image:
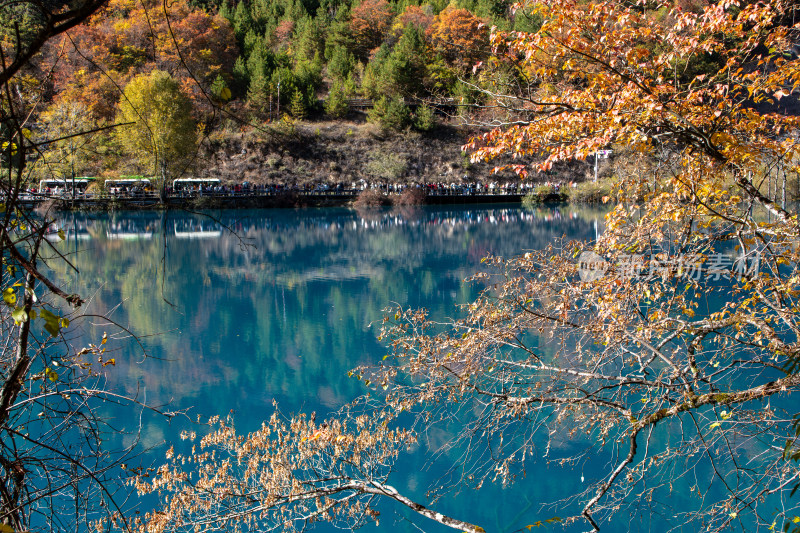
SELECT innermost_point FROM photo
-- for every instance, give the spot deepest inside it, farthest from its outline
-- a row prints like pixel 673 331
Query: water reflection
pixel 240 308
pixel 145 223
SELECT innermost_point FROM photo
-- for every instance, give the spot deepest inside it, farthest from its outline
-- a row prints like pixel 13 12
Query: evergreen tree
pixel 242 23
pixel 241 77
pixel 308 78
pixel 340 63
pixel 225 11
pixel 338 34
pixel 350 86
pixel 263 11
pixel 297 107
pixel 258 93
pixel 252 41
pixel 282 88
pixel 405 67
pixel 220 89
pixel 336 103
pixel 390 113
pixel 424 118
pixel 376 82
pixel 309 40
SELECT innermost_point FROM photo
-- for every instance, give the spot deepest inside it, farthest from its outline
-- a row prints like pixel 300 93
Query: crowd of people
pixel 245 189
pixel 354 188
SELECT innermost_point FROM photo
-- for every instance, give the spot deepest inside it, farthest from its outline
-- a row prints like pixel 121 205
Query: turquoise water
pixel 237 309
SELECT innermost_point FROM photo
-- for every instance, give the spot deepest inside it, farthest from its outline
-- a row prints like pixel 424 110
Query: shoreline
pixel 287 201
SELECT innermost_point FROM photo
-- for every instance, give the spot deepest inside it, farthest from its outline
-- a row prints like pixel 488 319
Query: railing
pixel 273 192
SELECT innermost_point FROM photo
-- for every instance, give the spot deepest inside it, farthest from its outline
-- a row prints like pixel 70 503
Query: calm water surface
pixel 277 305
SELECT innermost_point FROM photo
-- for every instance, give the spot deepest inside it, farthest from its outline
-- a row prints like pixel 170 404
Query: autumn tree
pixel 126 39
pixel 55 473
pixel 339 467
pixel 68 130
pixel 412 16
pixel 163 136
pixel 669 344
pixel 461 37
pixel 369 22
pixel 284 31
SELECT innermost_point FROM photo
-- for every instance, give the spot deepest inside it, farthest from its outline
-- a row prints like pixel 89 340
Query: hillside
pixel 349 150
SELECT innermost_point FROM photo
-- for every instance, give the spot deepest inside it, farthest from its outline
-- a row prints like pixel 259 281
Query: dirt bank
pixel 348 151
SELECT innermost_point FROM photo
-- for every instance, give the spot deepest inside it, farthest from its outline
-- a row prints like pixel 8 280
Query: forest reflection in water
pixel 237 309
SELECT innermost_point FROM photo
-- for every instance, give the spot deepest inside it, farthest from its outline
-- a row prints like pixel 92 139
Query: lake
pixel 236 309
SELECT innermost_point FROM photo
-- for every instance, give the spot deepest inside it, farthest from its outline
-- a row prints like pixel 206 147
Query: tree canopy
pixel 160 130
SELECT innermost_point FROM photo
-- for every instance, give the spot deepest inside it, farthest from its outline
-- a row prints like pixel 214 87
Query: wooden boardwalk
pixel 237 200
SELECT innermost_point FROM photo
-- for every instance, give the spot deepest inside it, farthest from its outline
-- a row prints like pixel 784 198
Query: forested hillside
pixel 253 70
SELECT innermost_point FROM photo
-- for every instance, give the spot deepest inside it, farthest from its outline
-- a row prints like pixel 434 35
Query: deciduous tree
pixel 369 22
pixel 54 471
pixel 68 130
pixel 461 37
pixel 130 38
pixel 413 16
pixel 164 136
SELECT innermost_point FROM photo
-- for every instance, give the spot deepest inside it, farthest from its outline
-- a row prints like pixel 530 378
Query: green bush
pixel 540 194
pixel 385 165
pixel 424 119
pixel 336 103
pixel 390 113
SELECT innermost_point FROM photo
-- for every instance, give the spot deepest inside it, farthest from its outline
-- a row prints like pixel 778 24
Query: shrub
pixel 542 193
pixel 591 191
pixel 388 166
pixel 371 198
pixel 411 196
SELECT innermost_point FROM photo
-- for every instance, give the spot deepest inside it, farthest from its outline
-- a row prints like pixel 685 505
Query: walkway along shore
pixel 251 199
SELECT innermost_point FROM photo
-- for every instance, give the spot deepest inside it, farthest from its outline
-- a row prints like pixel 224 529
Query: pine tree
pixel 424 118
pixel 390 113
pixel 241 77
pixel 242 22
pixel 297 107
pixel 336 103
pixel 405 67
pixel 340 63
